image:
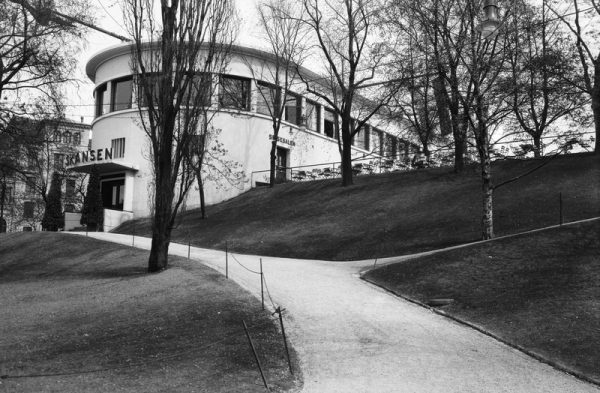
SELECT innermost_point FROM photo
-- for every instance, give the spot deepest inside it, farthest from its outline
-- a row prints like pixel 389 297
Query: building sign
pixel 89 156
pixel 283 140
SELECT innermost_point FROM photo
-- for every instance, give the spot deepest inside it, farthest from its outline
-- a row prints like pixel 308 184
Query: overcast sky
pixel 109 17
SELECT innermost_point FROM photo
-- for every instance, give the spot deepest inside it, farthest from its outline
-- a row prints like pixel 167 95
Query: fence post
pixel 262 294
pixel 560 208
pixel 255 356
pixel 189 247
pixel 287 352
pixel 226 261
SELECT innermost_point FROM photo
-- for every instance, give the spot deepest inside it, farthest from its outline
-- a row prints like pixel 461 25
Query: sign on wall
pixel 89 156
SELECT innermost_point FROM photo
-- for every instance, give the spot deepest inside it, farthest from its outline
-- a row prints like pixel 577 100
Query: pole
pixel 189 247
pixel 226 261
pixel 255 356
pixel 287 351
pixel 133 236
pixel 560 207
pixel 262 294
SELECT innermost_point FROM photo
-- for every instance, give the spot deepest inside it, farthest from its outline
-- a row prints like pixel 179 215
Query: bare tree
pixel 275 74
pixel 345 34
pixel 541 60
pixel 36 51
pixel 583 22
pixel 168 54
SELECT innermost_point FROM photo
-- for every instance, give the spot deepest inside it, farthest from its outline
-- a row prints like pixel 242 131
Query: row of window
pixel 31 187
pixel 234 93
pixel 29 209
pixel 67 137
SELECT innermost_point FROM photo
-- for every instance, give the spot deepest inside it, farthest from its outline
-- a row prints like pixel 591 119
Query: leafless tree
pixel 344 31
pixel 275 74
pixel 582 18
pixel 169 53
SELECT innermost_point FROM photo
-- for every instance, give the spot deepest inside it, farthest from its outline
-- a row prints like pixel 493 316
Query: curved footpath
pixel 355 337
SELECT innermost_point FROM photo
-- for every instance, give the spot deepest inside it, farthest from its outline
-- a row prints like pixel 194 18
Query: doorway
pixel 281 165
pixel 113 193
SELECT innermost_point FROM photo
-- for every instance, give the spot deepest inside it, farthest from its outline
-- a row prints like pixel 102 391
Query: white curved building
pixel 120 148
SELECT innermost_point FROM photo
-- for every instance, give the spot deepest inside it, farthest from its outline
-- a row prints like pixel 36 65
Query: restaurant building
pixel 306 140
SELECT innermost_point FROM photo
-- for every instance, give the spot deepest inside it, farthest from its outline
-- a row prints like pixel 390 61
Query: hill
pixel 82 315
pixel 391 214
pixel 538 291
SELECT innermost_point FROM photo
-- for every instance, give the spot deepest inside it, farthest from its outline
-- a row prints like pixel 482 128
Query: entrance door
pixel 281 165
pixel 113 193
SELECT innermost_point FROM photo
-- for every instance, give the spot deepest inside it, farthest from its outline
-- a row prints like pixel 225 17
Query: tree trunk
pixel 487 218
pixel 346 154
pixel 460 146
pixel 273 157
pixel 537 146
pixel 202 199
pixel 159 253
pixel 596 111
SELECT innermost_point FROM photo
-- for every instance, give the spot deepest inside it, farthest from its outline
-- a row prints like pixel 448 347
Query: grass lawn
pixel 72 306
pixel 390 214
pixel 540 291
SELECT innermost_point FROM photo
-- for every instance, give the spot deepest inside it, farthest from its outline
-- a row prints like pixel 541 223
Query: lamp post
pixel 491 23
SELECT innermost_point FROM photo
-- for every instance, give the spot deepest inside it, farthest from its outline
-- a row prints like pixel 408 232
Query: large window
pixel 30 183
pixel 313 117
pixel 118 147
pixel 200 89
pixel 361 139
pixel 70 188
pixel 59 161
pixel 77 138
pixel 121 94
pixel 329 123
pixel 268 98
pixel 152 83
pixel 293 108
pixel 67 137
pixel 234 93
pixel 28 208
pixel 102 106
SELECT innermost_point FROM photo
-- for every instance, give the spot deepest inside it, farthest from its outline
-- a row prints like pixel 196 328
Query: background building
pixel 32 151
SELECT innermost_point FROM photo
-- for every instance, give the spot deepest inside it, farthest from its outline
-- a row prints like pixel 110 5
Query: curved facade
pixel 306 137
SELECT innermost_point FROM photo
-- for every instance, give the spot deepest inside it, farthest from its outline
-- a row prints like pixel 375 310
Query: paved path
pixel 354 337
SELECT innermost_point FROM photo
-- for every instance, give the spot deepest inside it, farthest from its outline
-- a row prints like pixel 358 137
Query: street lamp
pixel 491 23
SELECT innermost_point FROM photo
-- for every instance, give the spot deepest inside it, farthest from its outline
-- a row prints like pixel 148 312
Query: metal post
pixel 262 294
pixel 189 247
pixel 226 261
pixel 133 236
pixel 560 204
pixel 287 352
pixel 255 356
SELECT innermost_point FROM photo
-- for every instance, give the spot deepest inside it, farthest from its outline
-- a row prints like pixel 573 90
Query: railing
pixel 360 166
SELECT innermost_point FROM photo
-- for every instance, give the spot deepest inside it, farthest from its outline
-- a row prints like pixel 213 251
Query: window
pixel 57 137
pixel 118 147
pixel 235 93
pixel 69 208
pixel 201 89
pixel 121 94
pixel 390 146
pixel 8 195
pixel 77 138
pixel 70 188
pixel 67 137
pixel 31 160
pixel 293 108
pixel 329 123
pixel 59 161
pixel 361 138
pixel 367 134
pixel 313 117
pixel 28 210
pixel 152 82
pixel 27 229
pixel 268 98
pixel 101 100
pixel 30 185
pixel 378 144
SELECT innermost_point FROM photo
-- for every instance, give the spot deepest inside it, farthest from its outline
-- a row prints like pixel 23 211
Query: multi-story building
pixel 120 149
pixel 33 151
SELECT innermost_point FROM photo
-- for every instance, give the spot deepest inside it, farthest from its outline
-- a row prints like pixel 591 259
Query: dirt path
pixel 354 337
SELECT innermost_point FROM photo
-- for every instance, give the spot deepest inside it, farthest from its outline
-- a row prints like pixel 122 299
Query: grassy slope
pixel 539 291
pixel 390 214
pixel 72 304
